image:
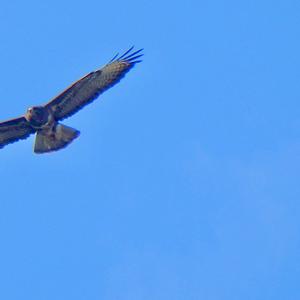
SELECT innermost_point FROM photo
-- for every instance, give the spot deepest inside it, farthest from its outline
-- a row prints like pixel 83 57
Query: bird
pixel 45 120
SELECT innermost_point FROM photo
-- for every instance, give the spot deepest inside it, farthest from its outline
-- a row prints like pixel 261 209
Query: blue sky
pixel 184 183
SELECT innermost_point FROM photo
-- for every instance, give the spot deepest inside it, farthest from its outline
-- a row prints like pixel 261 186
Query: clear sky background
pixel 184 183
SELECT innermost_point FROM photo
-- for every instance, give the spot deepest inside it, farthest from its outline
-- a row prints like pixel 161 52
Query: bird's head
pixel 34 109
pixel 37 116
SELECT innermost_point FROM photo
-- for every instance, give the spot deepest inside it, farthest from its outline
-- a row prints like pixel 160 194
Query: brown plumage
pixel 43 120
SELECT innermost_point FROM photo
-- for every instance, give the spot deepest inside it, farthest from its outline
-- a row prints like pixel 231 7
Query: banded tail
pixel 61 137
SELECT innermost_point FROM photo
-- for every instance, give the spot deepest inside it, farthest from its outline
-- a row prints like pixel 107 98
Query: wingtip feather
pixel 128 57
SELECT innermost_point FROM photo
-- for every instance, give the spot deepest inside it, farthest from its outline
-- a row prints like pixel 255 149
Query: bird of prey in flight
pixel 44 120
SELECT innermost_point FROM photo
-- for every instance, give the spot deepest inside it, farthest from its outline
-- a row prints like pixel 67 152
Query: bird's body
pixel 39 117
pixel 44 120
pixel 50 135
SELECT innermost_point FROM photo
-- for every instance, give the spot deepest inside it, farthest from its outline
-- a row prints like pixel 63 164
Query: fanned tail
pixel 61 137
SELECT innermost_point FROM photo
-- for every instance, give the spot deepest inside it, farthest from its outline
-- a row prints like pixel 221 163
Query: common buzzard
pixel 44 120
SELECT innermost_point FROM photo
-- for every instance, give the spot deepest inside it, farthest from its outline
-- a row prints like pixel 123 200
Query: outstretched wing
pixel 89 87
pixel 14 130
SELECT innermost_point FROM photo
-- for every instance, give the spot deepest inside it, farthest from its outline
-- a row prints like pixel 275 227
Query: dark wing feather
pixel 14 130
pixel 89 87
